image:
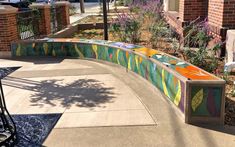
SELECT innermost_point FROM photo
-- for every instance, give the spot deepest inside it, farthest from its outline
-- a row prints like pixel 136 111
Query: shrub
pixel 124 2
pixel 126 27
pixel 201 56
pixel 159 32
pixel 148 8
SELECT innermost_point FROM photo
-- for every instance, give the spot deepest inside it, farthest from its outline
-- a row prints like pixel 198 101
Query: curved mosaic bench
pixel 196 93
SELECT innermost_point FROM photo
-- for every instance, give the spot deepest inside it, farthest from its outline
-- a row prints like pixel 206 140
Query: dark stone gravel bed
pixel 229 112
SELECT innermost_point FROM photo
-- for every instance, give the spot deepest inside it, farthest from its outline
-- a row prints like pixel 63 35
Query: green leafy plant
pixel 196 42
pixel 158 31
pixel 152 9
pixel 124 2
pixel 127 2
pixel 233 90
pixel 175 45
pixel 225 77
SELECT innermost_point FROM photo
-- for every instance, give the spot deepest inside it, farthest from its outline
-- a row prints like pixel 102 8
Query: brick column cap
pixel 7 9
pixel 62 3
pixel 40 6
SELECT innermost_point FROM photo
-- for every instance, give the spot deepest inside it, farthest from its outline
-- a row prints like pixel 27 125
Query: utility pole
pixel 82 8
pixel 105 20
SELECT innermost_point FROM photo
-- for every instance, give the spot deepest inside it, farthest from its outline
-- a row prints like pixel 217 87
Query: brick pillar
pixel 45 18
pixel 192 9
pixel 221 16
pixel 62 9
pixel 8 29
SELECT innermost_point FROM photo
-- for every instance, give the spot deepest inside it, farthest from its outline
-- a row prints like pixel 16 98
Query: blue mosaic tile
pixel 125 45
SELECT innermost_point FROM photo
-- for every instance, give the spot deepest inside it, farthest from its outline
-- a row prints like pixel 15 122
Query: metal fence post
pixel 105 20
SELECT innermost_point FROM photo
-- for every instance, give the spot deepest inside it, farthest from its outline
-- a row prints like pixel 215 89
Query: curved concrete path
pixel 102 105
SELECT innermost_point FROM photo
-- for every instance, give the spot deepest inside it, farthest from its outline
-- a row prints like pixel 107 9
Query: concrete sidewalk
pixel 102 105
pixel 90 9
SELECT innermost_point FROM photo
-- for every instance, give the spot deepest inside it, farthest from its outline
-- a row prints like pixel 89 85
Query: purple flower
pixel 147 6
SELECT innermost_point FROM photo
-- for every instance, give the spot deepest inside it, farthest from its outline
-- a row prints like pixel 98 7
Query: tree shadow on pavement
pixel 82 92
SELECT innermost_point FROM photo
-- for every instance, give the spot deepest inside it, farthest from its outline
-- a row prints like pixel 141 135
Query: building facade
pixel 220 14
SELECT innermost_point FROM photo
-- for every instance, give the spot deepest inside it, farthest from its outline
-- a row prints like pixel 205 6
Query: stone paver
pixel 105 118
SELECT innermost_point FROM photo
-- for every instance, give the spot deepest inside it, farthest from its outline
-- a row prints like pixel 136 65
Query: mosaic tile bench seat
pixel 196 94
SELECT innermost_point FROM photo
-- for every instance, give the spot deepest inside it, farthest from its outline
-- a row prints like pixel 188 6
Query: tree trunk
pixel 82 8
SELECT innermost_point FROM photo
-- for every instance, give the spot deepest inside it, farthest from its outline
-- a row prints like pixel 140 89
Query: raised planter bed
pixel 87 23
pixel 89 26
pixel 197 94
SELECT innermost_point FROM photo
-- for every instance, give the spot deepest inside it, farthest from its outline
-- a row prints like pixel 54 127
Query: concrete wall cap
pixel 39 5
pixel 231 31
pixel 7 9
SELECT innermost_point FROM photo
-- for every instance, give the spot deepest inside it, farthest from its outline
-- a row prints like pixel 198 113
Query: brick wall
pixel 175 23
pixel 221 16
pixel 8 24
pixel 188 10
pixel 45 23
pixel 181 10
pixel 191 9
pixel 8 29
pixel 62 9
pixel 229 14
pixel 65 15
pixel 45 18
pixel 222 13
pixel 215 12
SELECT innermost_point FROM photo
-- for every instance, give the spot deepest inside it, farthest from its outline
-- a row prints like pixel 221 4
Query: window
pixel 171 5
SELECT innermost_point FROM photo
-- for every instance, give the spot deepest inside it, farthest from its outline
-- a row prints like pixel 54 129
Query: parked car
pixel 45 1
pixel 22 5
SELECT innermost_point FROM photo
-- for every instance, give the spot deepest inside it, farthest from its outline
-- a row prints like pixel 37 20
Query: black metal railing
pixel 28 24
pixel 7 125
